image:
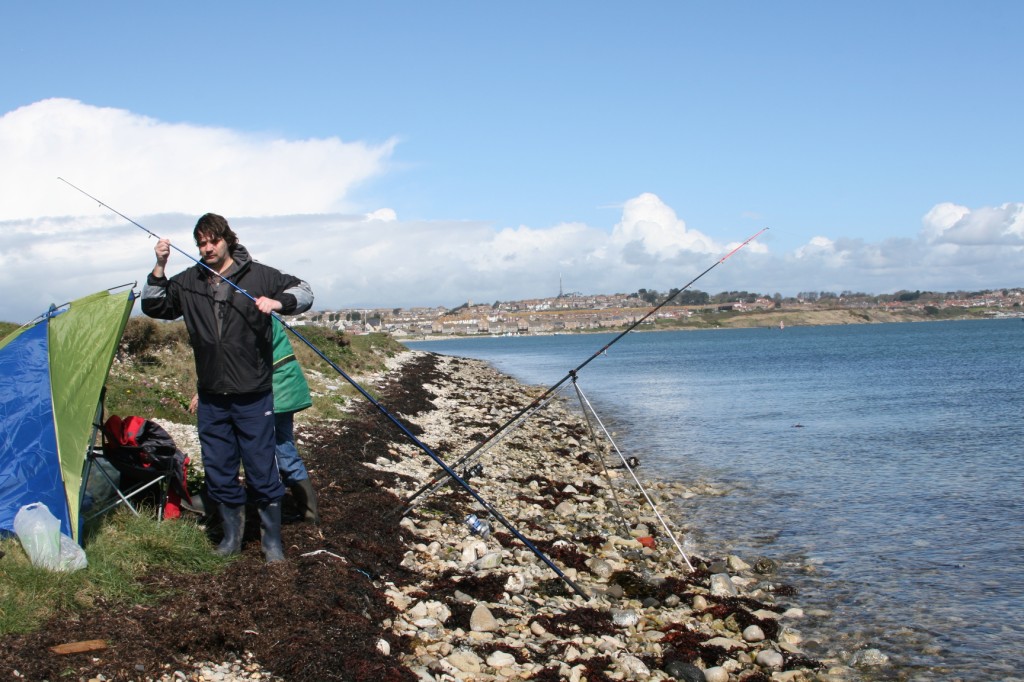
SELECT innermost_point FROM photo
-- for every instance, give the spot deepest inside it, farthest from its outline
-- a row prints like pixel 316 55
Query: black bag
pixel 138 448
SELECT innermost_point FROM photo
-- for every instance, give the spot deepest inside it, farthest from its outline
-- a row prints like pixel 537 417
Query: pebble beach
pixel 487 607
pixel 652 612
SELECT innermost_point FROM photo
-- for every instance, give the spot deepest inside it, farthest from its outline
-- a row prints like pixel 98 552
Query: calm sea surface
pixel 881 464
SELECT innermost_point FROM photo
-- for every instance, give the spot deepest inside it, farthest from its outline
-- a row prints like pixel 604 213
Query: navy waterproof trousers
pixel 239 429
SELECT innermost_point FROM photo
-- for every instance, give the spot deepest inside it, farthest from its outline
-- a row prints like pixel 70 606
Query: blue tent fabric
pixel 27 418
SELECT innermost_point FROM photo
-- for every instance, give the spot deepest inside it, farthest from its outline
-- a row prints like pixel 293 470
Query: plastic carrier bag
pixel 39 533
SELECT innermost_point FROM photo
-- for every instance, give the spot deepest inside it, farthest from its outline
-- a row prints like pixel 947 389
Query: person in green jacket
pixel 291 395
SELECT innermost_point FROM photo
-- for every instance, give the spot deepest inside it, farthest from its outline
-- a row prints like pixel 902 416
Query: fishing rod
pixel 373 401
pixel 433 483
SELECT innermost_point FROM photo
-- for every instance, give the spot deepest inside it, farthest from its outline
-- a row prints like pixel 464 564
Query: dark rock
pixel 765 566
pixel 684 672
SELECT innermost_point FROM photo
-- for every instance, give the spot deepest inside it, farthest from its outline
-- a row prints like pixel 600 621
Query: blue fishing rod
pixel 373 401
pixel 438 481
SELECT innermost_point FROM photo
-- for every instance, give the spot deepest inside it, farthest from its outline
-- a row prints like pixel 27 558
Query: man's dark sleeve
pixel 155 299
pixel 297 296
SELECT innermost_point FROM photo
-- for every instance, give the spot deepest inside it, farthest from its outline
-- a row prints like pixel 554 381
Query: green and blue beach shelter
pixel 52 373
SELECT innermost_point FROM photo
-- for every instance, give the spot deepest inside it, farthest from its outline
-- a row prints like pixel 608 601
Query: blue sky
pixel 411 153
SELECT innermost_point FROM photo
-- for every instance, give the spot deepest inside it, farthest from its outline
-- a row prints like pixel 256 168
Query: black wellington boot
pixel 270 530
pixel 305 498
pixel 232 518
pixel 202 504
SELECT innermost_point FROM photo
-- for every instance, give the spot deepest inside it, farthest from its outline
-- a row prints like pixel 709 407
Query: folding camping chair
pixel 148 464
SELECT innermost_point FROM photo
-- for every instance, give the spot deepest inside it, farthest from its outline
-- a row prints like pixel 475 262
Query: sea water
pixel 879 464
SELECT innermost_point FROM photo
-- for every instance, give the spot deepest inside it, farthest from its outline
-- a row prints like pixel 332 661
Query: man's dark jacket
pixel 232 340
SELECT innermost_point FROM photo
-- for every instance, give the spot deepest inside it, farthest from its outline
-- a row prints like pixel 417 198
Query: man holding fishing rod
pixel 227 300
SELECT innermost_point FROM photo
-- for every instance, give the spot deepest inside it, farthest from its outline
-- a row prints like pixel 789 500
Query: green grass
pixel 121 550
pixel 6 328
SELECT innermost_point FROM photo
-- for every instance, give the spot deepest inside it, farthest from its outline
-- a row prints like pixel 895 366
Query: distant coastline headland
pixel 648 311
pixel 774 320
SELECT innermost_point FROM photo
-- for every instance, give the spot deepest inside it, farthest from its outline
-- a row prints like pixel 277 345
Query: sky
pixel 401 154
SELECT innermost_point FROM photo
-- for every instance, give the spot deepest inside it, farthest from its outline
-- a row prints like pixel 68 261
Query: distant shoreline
pixel 814 318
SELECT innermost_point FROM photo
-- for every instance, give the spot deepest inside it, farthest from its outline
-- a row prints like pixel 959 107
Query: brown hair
pixel 213 225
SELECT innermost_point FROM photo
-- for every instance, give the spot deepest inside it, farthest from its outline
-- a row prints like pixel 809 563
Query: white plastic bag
pixel 39 533
pixel 72 556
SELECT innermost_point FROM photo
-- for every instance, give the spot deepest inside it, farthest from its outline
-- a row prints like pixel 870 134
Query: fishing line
pixel 600 456
pixel 664 524
pixel 430 485
pixel 394 420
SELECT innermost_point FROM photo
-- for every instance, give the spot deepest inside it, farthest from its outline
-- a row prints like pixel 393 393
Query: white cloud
pixel 942 217
pixel 651 227
pixel 827 252
pixel 958 225
pixel 150 166
pixel 386 215
pixel 290 202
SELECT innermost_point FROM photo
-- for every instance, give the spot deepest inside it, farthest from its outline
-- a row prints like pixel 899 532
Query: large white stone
pixel 438 610
pixel 400 601
pixel 716 674
pixel 599 567
pixel 726 643
pixel 487 561
pixel 481 620
pixel 465 660
pixel 419 610
pixel 500 659
pixel 566 509
pixel 722 585
pixel 765 614
pixel 770 659
pixel 633 668
pixel 515 583
pixel 753 633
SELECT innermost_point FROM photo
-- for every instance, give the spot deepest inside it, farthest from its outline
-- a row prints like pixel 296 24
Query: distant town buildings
pixel 575 312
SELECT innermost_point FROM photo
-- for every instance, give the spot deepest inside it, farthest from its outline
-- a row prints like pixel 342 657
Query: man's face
pixel 214 251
